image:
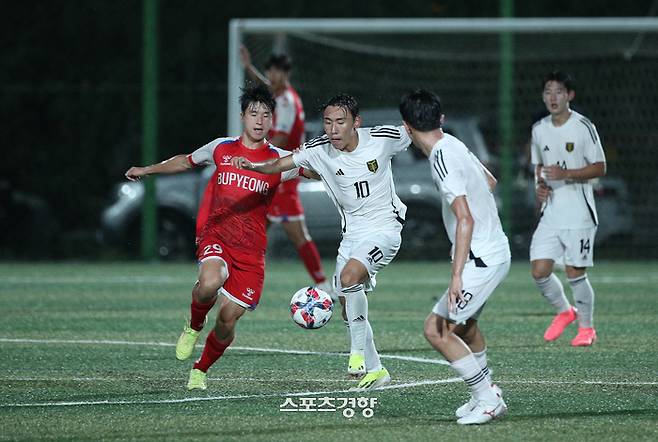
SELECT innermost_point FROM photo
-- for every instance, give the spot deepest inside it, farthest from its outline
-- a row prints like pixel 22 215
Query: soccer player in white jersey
pixel 567 153
pixel 354 164
pixel 480 253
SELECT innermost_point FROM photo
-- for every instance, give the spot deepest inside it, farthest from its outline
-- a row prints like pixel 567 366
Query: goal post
pixel 614 61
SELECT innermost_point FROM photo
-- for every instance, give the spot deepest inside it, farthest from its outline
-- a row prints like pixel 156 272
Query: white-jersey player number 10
pixel 362 189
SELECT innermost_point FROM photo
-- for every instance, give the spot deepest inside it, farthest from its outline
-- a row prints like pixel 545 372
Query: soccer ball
pixel 311 307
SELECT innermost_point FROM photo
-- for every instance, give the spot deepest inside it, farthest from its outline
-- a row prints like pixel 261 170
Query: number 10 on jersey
pixel 362 189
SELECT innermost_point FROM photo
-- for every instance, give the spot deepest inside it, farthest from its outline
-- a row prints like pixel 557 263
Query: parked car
pixel 178 197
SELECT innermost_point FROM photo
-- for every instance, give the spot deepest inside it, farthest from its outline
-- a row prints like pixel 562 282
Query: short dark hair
pixel 257 94
pixel 345 101
pixel 279 61
pixel 561 77
pixel 421 110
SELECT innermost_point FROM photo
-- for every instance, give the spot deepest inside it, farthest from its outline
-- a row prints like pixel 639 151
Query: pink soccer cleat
pixel 560 322
pixel 584 338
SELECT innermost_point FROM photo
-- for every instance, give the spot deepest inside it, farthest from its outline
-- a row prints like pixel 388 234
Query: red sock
pixel 212 351
pixel 308 252
pixel 199 312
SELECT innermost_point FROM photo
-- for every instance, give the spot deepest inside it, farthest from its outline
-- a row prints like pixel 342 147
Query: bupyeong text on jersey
pixel 244 182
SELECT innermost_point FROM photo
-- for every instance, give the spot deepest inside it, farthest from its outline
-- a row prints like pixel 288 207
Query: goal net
pixel 614 63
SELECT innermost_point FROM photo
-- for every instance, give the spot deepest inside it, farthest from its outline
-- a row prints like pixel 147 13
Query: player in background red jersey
pixel 231 234
pixel 288 133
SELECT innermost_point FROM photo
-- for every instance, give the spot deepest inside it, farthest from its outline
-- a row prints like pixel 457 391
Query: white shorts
pixel 478 284
pixel 576 246
pixel 374 252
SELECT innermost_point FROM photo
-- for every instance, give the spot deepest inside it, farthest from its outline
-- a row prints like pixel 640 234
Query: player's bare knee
pixel 348 278
pixel 574 272
pixel 208 288
pixel 433 331
pixel 541 271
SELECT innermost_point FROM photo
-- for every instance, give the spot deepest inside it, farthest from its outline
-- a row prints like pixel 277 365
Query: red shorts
pixel 246 273
pixel 286 205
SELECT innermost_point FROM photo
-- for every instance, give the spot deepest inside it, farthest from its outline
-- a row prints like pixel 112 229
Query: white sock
pixel 471 372
pixel 551 288
pixel 583 294
pixel 481 358
pixel 373 363
pixel 356 307
pixel 347 327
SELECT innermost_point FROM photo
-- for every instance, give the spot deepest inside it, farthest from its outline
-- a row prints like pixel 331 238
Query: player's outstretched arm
pixel 594 170
pixel 252 72
pixel 176 164
pixel 267 167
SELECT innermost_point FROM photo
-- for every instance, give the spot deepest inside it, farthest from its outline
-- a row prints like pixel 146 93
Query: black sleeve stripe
pixel 385 136
pixel 438 171
pixel 390 130
pixel 439 166
pixel 592 132
pixel 319 141
pixel 443 163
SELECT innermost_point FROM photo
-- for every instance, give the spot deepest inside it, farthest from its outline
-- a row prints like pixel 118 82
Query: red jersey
pixel 289 118
pixel 236 201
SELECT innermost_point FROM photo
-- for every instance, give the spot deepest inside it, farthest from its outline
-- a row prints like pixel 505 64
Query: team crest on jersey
pixel 226 159
pixel 569 147
pixel 372 165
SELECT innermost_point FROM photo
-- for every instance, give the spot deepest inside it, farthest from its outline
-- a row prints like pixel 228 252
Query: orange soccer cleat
pixel 560 322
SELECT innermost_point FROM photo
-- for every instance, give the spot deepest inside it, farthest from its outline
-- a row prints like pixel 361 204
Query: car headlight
pixel 127 191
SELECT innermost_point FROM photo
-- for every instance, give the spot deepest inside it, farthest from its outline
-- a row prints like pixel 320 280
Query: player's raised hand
pixel 245 56
pixel 135 173
pixel 242 163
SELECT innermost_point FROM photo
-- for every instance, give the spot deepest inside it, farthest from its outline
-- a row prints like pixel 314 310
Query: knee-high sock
pixel 471 372
pixel 373 363
pixel 310 256
pixel 356 307
pixel 583 294
pixel 481 358
pixel 199 312
pixel 552 289
pixel 212 351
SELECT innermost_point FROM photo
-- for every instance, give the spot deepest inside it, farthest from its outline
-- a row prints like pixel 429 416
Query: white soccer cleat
pixel 472 403
pixel 483 413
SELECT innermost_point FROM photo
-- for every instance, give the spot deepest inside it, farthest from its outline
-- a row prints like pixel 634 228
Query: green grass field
pixel 87 354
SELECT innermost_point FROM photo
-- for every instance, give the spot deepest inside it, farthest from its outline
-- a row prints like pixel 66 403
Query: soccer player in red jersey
pixel 287 132
pixel 231 228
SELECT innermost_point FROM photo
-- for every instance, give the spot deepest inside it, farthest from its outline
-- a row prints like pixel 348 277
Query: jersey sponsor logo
pixel 340 172
pixel 226 160
pixel 243 182
pixel 372 165
pixel 249 293
pixel 569 147
pixel 546 149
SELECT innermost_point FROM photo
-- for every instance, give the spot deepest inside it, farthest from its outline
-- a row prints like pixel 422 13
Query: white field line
pixel 258 396
pixel 220 398
pixel 234 348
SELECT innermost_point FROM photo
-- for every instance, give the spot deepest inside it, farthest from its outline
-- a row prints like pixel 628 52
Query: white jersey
pixel 360 182
pixel 457 172
pixel 573 145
